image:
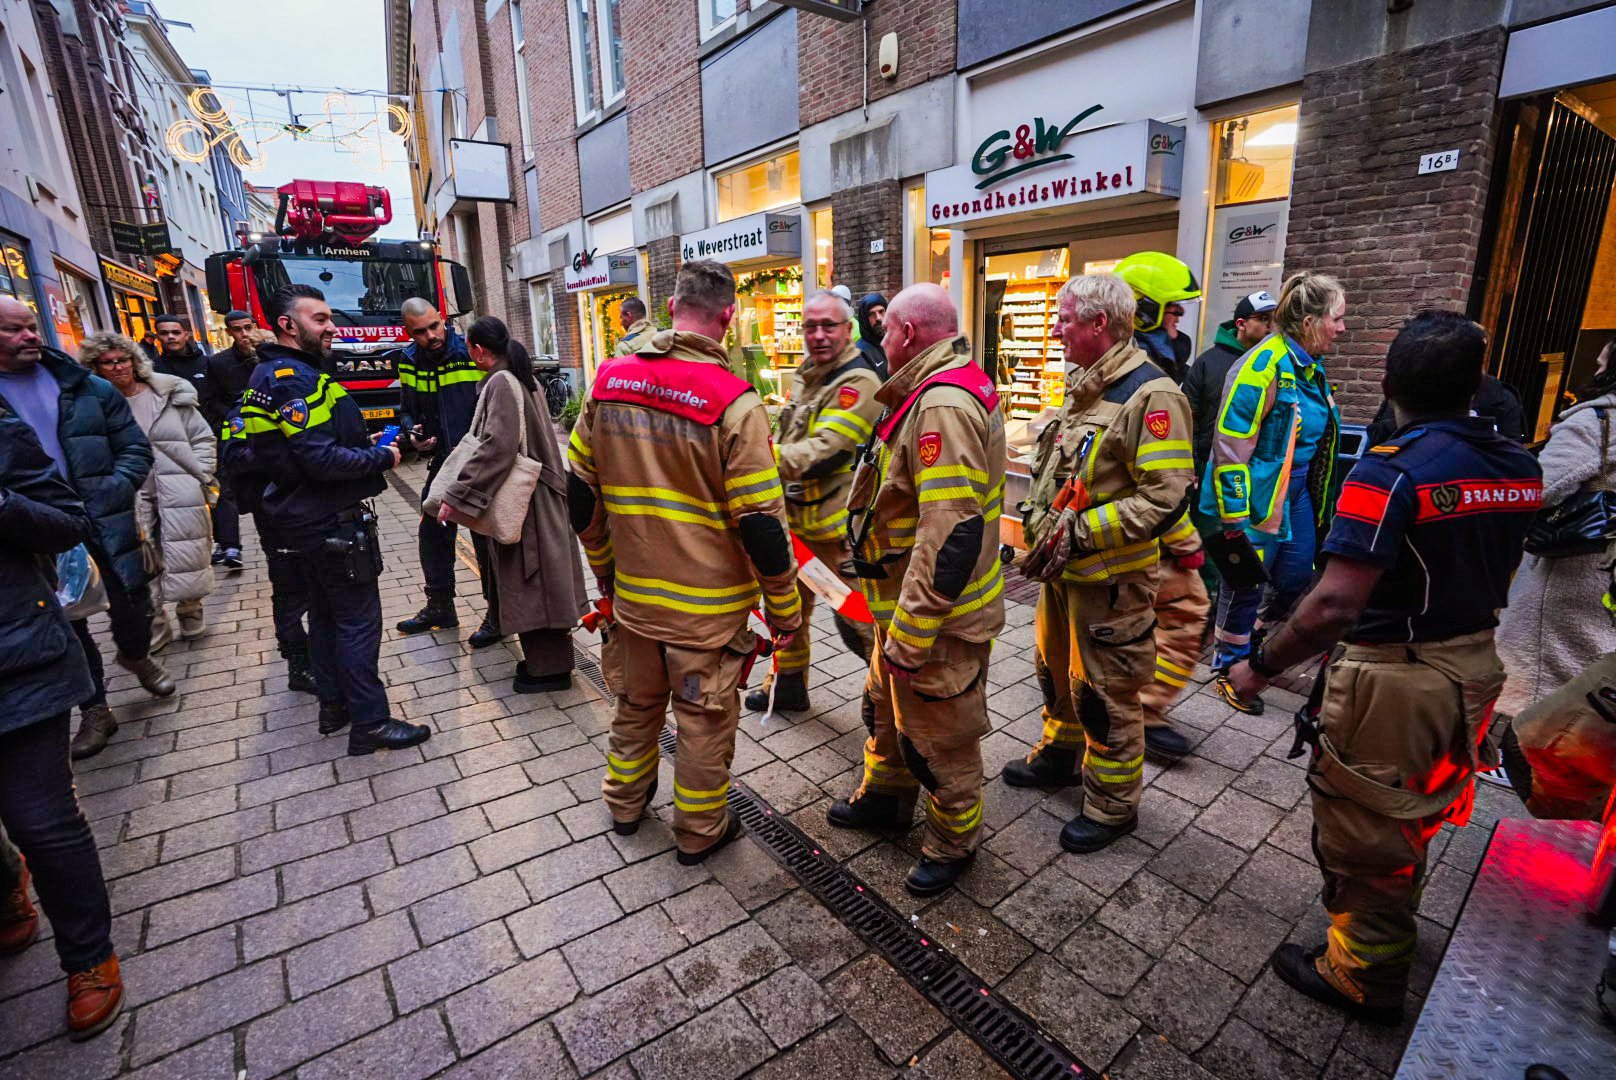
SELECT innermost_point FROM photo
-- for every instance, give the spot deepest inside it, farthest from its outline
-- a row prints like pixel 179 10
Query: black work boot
pixel 629 828
pixel 439 614
pixel 300 673
pixel 1296 968
pixel 790 694
pixel 694 858
pixel 931 876
pixel 390 734
pixel 485 635
pixel 525 683
pixel 333 718
pixel 1052 766
pixel 1164 743
pixel 873 810
pixel 1082 836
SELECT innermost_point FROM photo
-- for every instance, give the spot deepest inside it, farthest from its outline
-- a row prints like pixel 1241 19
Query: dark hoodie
pixel 869 342
pixel 1203 385
pixel 190 365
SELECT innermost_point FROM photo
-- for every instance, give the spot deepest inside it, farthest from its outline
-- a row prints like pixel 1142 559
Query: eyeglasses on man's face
pixel 825 327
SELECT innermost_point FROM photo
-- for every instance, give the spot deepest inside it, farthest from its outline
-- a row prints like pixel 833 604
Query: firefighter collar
pixel 813 373
pixel 1085 387
pixel 944 354
pixel 684 345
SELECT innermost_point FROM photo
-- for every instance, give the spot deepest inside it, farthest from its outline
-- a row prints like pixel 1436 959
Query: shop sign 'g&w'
pixel 1059 169
pixel 1035 144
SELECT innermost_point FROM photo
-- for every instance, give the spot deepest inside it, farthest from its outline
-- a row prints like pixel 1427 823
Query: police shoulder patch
pixel 285 372
pixel 237 425
pixel 296 412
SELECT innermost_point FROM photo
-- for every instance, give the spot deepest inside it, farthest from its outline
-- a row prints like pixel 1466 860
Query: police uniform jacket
pixel 308 439
pixel 934 495
pixel 831 415
pixel 676 497
pixel 1125 428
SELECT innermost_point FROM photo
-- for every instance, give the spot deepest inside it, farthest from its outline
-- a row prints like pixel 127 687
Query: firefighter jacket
pixel 439 392
pixel 1125 428
pixel 675 495
pixel 831 415
pixel 636 337
pixel 926 504
pixel 308 438
pixel 1255 439
pixel 1181 541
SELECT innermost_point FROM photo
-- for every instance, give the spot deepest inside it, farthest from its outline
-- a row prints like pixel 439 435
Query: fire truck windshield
pixel 361 292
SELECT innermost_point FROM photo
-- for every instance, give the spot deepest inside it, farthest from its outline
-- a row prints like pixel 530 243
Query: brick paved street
pixel 462 909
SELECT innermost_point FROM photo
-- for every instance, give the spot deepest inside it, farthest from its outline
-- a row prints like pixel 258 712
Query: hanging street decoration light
pixel 214 121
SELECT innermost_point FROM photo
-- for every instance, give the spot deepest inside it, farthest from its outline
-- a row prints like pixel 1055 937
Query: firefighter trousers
pixel 927 731
pixel 1401 737
pixel 1561 752
pixel 1096 655
pixel 1182 605
pixel 857 636
pixel 706 708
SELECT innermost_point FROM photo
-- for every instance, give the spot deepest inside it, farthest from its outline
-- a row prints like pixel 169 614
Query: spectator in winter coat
pixel 181 355
pixel 227 374
pixel 42 676
pixel 871 315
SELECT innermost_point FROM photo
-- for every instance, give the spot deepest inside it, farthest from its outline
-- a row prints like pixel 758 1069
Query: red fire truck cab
pixel 323 238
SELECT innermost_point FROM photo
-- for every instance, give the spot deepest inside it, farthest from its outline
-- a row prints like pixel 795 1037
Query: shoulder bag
pixel 1583 524
pixel 508 504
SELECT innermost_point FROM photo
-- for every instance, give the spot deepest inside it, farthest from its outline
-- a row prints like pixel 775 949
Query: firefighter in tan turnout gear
pixel 675 495
pixel 638 329
pixel 924 521
pixel 1111 477
pixel 1182 606
pixel 832 413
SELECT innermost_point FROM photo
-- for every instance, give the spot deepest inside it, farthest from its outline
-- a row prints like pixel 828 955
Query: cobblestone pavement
pixel 463 909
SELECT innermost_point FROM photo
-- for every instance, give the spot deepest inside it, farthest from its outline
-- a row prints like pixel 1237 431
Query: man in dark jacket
pixel 871 313
pixel 440 395
pixel 1203 384
pixel 42 676
pixel 1493 401
pixel 181 357
pixel 86 427
pixel 227 373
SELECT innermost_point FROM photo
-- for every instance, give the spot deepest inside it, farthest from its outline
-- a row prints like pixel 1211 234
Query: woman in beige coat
pixel 540 579
pixel 172 509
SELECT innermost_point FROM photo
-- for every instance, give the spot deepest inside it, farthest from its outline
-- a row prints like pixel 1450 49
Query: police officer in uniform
pixel 1112 475
pixel 833 409
pixel 675 495
pixel 307 436
pixel 924 519
pixel 1427 533
pixel 439 386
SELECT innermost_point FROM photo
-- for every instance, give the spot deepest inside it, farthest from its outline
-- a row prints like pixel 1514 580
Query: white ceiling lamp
pixel 1281 134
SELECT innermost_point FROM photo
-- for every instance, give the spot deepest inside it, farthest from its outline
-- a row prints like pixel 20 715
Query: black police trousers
pixel 288 590
pixel 436 544
pixel 345 639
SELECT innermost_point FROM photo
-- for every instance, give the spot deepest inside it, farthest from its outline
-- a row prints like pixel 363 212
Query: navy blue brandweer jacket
pixel 307 438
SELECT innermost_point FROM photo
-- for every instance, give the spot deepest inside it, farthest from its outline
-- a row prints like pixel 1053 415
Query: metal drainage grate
pixel 1004 1031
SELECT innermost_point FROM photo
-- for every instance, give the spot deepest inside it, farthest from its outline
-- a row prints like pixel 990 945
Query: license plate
pixel 378 414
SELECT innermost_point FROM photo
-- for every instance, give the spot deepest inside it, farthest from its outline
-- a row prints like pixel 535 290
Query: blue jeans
pixel 1290 572
pixel 41 816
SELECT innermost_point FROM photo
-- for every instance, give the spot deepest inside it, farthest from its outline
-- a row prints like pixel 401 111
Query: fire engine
pixel 322 238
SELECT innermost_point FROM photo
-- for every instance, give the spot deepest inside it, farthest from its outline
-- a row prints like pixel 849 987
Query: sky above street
pixel 321 44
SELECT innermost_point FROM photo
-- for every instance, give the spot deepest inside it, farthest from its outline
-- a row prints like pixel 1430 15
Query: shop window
pixel 1254 157
pixel 1020 290
pixel 930 249
pixel 519 47
pixel 763 185
pixel 611 50
pixel 583 77
pixel 767 331
pixel 824 249
pixel 15 281
pixel 543 308
pixel 715 15
pixel 615 232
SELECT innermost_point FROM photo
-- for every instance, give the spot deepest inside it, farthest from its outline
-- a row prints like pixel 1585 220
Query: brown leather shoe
pixel 96 726
pixel 19 919
pixel 94 999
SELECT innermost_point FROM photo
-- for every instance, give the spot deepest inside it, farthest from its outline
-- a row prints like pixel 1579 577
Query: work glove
pixel 1049 557
pixel 1191 562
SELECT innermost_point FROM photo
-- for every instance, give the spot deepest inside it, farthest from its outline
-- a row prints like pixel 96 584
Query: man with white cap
pixel 1203 385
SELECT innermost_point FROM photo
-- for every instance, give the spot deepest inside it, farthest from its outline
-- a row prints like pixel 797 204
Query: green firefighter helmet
pixel 1157 279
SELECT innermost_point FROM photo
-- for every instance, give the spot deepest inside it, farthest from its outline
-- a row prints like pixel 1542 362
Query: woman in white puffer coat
pixel 172 510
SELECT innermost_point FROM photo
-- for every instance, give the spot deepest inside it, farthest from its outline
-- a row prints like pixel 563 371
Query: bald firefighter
pixel 1111 477
pixel 832 413
pixel 675 495
pixel 924 518
pixel 1427 533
